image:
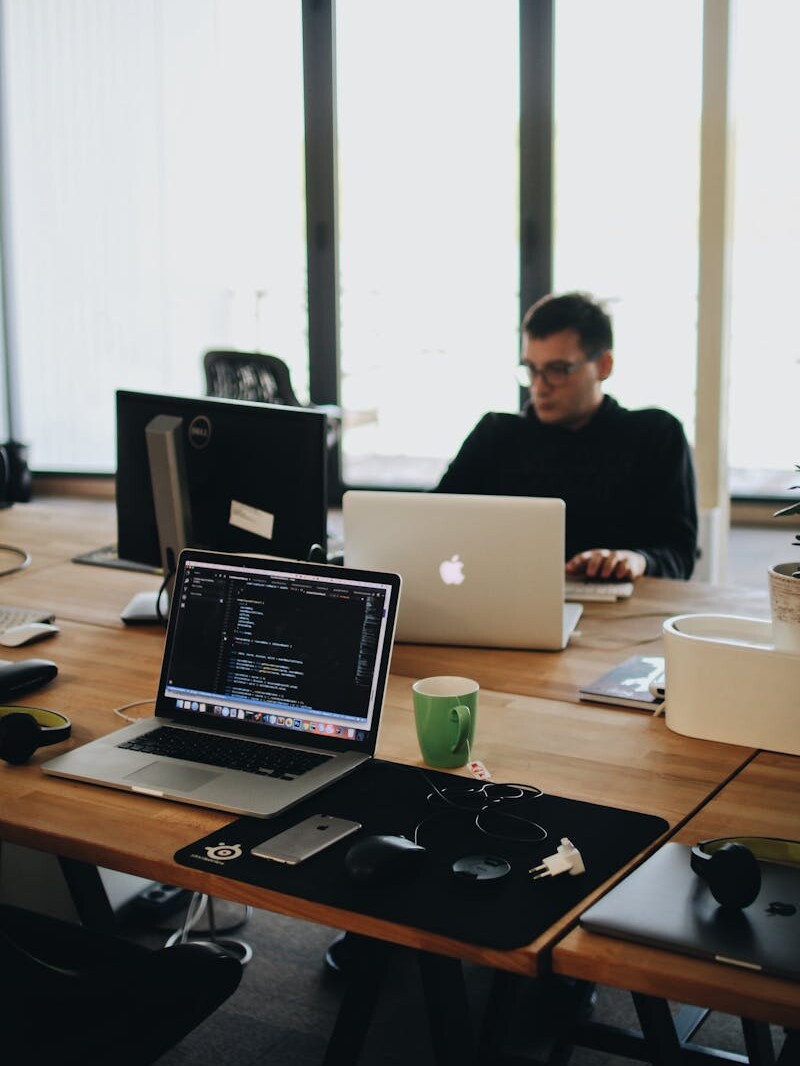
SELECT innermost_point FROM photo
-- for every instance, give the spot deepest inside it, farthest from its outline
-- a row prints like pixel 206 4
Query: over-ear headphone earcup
pixel 16 481
pixel 5 478
pixel 20 478
pixel 733 875
pixel 19 737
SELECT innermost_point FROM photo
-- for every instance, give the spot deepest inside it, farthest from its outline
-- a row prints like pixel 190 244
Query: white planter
pixel 784 595
pixel 726 681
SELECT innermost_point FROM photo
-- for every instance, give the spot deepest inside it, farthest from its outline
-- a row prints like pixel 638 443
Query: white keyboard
pixel 21 616
pixel 597 591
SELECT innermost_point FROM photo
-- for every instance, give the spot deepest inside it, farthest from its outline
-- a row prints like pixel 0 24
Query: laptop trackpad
pixel 178 778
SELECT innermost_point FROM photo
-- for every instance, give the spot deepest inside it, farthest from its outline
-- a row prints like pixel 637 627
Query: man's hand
pixel 606 564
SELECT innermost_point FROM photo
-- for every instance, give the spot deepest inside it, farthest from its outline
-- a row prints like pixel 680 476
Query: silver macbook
pixel 665 904
pixel 271 687
pixel 477 570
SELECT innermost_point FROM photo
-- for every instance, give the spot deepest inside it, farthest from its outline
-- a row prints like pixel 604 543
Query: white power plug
pixel 565 858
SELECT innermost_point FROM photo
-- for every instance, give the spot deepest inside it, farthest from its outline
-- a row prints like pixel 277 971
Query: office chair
pixel 201 904
pixel 261 378
pixel 249 376
pixel 74 996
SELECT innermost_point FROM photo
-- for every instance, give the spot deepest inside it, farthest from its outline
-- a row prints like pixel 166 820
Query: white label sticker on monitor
pixel 251 519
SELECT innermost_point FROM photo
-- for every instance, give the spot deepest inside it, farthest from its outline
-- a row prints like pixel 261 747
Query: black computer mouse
pixel 24 676
pixel 377 860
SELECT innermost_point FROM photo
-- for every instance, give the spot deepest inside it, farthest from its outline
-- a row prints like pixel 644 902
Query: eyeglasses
pixel 553 375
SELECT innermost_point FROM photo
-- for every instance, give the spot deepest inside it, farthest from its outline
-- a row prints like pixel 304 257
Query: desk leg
pixel 790 1052
pixel 758 1043
pixel 497 1014
pixel 88 894
pixel 658 1029
pixel 358 1003
pixel 449 1013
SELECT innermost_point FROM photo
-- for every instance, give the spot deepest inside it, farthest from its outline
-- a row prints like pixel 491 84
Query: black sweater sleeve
pixel 667 496
pixel 627 479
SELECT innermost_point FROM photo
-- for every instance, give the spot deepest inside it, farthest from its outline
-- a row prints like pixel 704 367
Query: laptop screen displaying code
pixel 277 647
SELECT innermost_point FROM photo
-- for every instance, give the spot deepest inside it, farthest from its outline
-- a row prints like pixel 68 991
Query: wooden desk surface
pixel 603 755
pixel 606 755
pixel 54 530
pixel 764 799
pixel 606 634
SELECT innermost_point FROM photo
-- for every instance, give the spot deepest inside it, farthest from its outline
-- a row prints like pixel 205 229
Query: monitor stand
pixel 108 556
pixel 173 517
pixel 142 609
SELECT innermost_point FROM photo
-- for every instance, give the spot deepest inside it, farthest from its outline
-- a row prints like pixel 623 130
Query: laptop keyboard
pixel 21 616
pixel 269 760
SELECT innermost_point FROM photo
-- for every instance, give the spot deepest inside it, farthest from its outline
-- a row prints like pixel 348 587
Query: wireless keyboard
pixel 597 591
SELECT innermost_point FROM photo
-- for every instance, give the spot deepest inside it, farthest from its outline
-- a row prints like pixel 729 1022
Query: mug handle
pixel 462 716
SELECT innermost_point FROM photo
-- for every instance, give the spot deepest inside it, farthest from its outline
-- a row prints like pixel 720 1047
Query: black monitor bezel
pixel 137 536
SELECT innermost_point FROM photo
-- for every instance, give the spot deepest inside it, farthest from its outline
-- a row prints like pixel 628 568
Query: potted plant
pixel 784 591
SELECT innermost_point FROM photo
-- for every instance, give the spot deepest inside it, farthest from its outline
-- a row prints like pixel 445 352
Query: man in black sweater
pixel 626 477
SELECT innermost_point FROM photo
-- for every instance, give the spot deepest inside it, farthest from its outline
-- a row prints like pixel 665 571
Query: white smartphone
pixel 305 839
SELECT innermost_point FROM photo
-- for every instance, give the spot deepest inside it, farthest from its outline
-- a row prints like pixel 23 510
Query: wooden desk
pixel 54 530
pixel 764 799
pixel 543 736
pixel 601 755
pixel 606 634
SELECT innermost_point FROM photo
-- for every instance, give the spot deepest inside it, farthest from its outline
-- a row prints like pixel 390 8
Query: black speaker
pixel 15 477
pixel 729 865
pixel 24 729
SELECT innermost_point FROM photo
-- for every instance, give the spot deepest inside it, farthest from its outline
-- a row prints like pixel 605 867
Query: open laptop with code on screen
pixel 271 687
pixel 477 570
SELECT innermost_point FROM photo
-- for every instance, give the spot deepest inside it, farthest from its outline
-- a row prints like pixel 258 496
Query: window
pixel 155 184
pixel 428 107
pixel 627 147
pixel 764 350
pixel 156 180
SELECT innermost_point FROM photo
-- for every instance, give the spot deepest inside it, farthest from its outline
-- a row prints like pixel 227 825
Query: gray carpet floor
pixel 286 1005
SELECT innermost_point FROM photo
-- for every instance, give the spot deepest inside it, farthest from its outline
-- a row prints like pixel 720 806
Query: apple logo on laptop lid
pixel 451 571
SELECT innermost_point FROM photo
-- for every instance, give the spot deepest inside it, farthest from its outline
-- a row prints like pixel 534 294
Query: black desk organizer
pixel 393 798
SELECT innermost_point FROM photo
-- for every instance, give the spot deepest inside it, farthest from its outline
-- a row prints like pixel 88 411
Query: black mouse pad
pixel 391 798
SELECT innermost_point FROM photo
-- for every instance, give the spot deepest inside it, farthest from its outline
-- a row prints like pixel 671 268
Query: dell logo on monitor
pixel 200 432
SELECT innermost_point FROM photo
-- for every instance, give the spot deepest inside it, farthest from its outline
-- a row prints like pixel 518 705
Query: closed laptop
pixel 665 904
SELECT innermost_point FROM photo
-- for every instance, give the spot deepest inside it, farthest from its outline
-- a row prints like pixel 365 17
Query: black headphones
pixel 15 477
pixel 729 865
pixel 24 729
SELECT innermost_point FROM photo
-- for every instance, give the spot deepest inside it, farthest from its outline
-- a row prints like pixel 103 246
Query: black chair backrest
pixel 64 991
pixel 249 376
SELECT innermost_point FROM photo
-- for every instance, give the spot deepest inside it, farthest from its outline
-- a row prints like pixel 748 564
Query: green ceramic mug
pixel 445 710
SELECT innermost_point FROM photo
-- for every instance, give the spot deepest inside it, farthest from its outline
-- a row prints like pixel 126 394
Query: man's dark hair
pixel 572 310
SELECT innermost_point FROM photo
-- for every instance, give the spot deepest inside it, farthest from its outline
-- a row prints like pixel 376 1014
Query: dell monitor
pixel 227 475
